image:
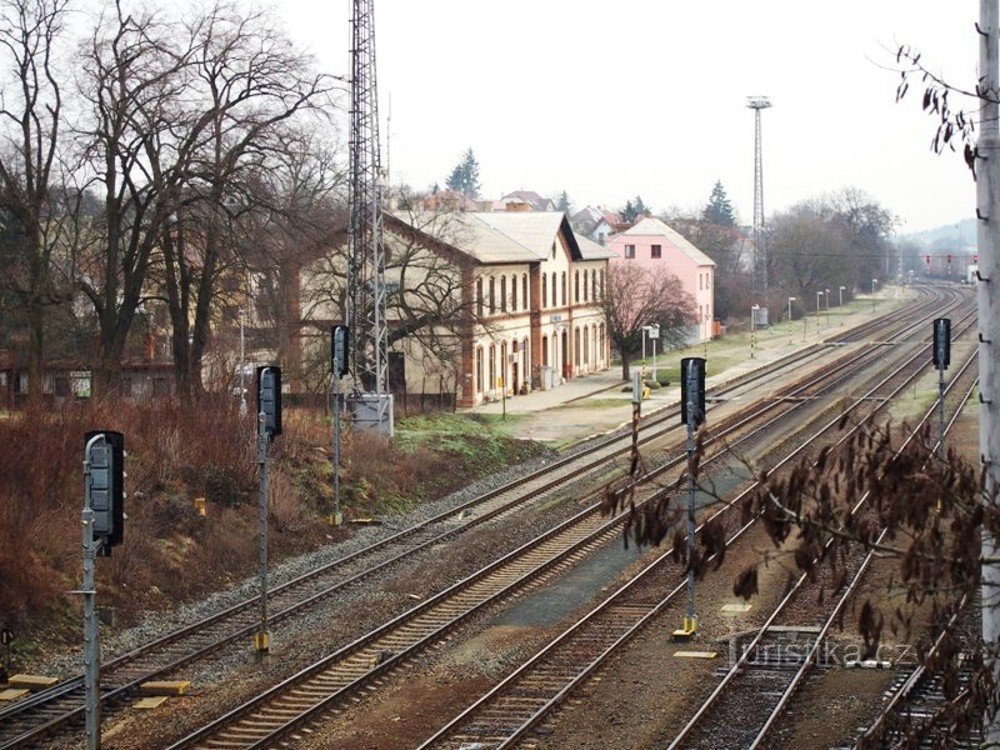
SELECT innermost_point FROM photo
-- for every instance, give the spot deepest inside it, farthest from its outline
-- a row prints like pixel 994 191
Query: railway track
pixel 771 685
pixel 264 721
pixel 507 715
pixel 917 704
pixel 44 713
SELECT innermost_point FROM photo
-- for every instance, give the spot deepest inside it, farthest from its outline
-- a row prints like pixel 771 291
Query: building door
pixel 566 369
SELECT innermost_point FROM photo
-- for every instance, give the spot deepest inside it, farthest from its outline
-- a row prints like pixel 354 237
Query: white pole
pixel 988 238
pixel 91 632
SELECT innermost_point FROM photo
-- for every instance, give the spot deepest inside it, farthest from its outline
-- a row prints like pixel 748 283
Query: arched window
pixel 555 300
pixel 576 286
pixel 513 293
pixel 593 285
pixel 586 347
pixel 576 347
pixel 479 298
pixel 503 294
pixel 524 292
pixel 545 292
pixel 493 367
pixel 479 369
pixel 493 295
pixel 564 288
pixel 585 287
pixel 545 351
pixel 602 284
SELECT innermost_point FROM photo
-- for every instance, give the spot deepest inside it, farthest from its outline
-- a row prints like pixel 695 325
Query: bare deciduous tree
pixel 638 296
pixel 31 113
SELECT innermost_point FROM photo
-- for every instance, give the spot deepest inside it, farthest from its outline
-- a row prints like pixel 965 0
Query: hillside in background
pixel 954 237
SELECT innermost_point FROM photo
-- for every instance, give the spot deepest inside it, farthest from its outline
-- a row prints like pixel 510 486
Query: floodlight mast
pixel 366 250
pixel 758 103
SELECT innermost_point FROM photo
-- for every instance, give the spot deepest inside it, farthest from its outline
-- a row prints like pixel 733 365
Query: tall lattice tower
pixel 757 104
pixel 371 403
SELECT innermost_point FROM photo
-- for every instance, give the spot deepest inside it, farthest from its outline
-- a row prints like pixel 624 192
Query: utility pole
pixel 757 104
pixel 371 403
pixel 988 239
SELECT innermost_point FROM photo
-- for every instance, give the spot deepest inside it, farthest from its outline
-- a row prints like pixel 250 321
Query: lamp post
pixel 753 328
pixel 874 284
pixel 790 301
pixel 827 298
pixel 243 388
pixel 841 305
pixel 654 332
pixel 818 295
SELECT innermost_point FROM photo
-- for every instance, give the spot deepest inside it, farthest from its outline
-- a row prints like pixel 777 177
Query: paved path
pixel 599 402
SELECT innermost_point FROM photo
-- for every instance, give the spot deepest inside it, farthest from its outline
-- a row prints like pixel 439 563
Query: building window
pixel 493 295
pixel 524 292
pixel 593 285
pixel 503 294
pixel 576 286
pixel 555 301
pixel 602 284
pixel 656 252
pixel 553 251
pixel 701 281
pixel 513 293
pixel 564 288
pixel 493 367
pixel 479 369
pixel 545 292
pixel 630 251
pixel 479 297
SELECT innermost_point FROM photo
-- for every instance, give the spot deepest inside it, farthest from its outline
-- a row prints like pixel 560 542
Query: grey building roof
pixel 497 237
pixel 590 250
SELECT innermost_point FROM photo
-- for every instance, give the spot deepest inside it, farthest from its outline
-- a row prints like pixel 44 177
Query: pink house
pixel 650 242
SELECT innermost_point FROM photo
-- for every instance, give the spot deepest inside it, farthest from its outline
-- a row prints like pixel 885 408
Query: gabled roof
pixel 488 237
pixel 533 199
pixel 590 250
pixel 650 227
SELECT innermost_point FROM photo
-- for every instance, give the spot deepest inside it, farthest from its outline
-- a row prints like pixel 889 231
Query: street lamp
pixel 790 301
pixel 842 304
pixel 827 307
pixel 753 328
pixel 874 284
pixel 818 295
pixel 654 334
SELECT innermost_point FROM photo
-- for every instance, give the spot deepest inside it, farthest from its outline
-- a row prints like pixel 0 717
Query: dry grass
pixel 175 454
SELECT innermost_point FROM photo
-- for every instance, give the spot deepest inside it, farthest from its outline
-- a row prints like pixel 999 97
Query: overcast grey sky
pixel 612 99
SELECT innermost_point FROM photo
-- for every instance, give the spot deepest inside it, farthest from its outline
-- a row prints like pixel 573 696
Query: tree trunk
pixel 36 351
pixel 625 367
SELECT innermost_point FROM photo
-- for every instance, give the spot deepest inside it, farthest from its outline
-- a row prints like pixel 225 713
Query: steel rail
pixel 736 668
pixel 560 696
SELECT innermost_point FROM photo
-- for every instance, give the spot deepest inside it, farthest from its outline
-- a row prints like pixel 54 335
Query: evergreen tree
pixel 563 204
pixel 633 210
pixel 719 209
pixel 464 177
